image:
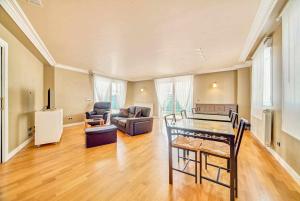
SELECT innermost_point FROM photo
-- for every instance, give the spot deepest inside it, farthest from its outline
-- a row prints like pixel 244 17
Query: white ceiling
pixel 143 39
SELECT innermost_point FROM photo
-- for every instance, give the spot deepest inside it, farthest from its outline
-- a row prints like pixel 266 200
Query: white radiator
pixel 267 127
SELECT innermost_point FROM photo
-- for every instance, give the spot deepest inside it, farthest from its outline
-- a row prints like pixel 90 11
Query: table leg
pixel 232 170
pixel 170 165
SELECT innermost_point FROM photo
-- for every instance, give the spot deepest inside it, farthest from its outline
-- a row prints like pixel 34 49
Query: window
pixel 291 68
pixel 174 94
pixel 110 90
pixel 262 78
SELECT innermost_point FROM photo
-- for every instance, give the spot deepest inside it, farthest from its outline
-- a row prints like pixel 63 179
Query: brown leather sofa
pixel 135 121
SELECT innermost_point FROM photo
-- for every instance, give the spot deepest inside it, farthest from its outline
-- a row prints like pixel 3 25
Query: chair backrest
pixel 102 107
pixel 239 136
pixel 229 112
pixel 234 119
pixel 194 110
pixel 169 119
pixel 183 114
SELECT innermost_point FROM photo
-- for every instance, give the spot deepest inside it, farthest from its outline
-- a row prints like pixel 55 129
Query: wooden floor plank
pixel 136 168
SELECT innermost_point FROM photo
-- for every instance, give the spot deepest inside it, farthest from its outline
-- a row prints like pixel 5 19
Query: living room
pixel 149 100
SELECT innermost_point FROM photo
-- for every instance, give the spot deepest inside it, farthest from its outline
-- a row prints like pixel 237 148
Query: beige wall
pixel 244 92
pixel 289 147
pixel 148 96
pixel 73 90
pixel 25 89
pixel 49 84
pixel 224 93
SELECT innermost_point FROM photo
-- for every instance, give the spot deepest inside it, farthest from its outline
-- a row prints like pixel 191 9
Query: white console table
pixel 48 126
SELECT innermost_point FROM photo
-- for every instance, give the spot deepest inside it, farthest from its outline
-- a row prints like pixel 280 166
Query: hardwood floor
pixel 136 168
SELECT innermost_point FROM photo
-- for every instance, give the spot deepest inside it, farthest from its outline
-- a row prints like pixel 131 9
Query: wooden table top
pixel 204 125
pixel 212 117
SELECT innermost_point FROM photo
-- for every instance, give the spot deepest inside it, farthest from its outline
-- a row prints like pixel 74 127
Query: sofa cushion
pixel 131 110
pixel 122 122
pixel 145 111
pixel 138 112
pixel 115 120
pixel 100 111
pixel 123 112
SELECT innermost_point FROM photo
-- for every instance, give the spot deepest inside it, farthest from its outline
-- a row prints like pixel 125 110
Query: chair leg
pixel 205 161
pixel 200 167
pixel 228 165
pixel 196 169
pixel 236 179
pixel 184 155
pixel 178 155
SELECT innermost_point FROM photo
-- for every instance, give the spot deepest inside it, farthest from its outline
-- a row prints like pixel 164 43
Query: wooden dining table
pixel 207 130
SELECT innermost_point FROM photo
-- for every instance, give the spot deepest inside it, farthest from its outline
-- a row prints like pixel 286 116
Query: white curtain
pixel 114 91
pixel 174 93
pixel 102 89
pixel 257 82
pixel 184 91
pixel 120 91
pixel 291 68
pixel 162 87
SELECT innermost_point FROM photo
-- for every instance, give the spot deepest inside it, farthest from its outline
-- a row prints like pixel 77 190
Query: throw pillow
pixel 123 112
pixel 138 113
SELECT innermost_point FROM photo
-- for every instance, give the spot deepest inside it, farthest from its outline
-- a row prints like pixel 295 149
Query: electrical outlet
pixel 70 118
pixel 278 144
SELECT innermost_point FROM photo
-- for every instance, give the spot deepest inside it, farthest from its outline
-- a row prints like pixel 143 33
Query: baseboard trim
pixel 73 124
pixel 280 160
pixel 18 149
pixel 285 165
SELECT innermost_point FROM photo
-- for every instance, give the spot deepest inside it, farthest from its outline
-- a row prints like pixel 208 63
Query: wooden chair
pixel 194 110
pixel 222 150
pixel 234 119
pixel 187 144
pixel 183 114
pixel 229 112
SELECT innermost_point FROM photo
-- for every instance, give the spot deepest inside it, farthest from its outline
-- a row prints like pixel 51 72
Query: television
pixel 49 100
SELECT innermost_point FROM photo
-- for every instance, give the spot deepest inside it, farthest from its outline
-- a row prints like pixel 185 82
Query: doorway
pixel 3 101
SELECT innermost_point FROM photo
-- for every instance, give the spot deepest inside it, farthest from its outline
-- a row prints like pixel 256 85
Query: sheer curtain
pixel 257 83
pixel 184 91
pixel 102 89
pixel 114 91
pixel 162 87
pixel 174 94
pixel 291 68
pixel 120 91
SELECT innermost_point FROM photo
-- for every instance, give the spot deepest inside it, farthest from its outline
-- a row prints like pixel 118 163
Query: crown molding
pixel 71 68
pixel 262 15
pixel 16 13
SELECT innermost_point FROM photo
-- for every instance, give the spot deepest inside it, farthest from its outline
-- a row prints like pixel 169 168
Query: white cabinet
pixel 48 126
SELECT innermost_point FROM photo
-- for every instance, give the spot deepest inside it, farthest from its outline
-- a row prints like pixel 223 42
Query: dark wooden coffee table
pixel 93 122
